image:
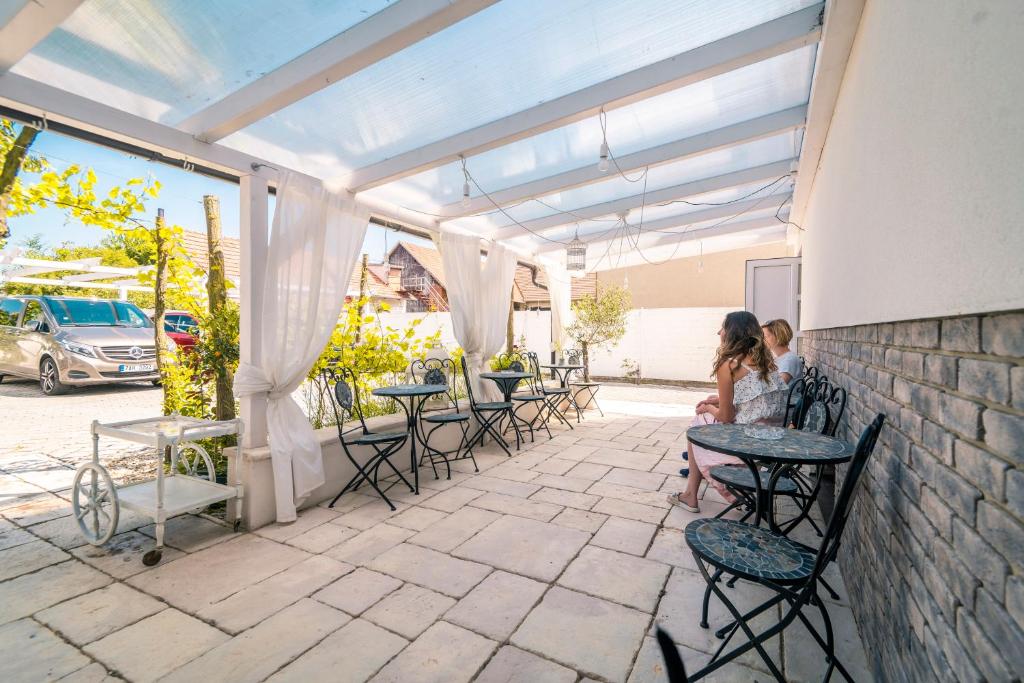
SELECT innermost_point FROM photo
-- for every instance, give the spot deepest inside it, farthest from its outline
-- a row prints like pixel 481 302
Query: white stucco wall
pixel 917 209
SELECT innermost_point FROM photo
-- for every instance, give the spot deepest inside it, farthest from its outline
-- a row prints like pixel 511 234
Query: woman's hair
pixel 743 337
pixel 781 330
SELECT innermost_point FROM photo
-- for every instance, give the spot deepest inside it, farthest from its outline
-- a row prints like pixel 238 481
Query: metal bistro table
pixel 562 371
pixel 507 381
pixel 796 447
pixel 417 395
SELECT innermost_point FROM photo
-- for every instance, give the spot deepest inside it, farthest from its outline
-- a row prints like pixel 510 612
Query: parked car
pixel 182 328
pixel 68 341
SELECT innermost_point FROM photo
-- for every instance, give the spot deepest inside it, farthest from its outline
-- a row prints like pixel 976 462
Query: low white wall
pixel 669 343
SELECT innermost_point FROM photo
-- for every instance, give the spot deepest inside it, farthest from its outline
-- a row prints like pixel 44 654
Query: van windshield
pixel 92 313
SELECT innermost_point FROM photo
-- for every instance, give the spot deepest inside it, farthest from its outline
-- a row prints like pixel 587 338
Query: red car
pixel 182 328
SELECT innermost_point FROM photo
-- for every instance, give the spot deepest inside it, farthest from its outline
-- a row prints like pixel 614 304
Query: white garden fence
pixel 675 344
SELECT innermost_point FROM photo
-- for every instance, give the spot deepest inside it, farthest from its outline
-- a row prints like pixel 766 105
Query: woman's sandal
pixel 673 498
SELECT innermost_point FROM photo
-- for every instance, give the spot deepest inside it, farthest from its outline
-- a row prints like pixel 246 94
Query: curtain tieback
pixel 251 380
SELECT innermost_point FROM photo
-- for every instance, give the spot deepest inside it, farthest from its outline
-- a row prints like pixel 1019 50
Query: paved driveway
pixel 43 438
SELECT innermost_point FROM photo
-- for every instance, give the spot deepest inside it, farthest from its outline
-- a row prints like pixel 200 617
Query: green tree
pixel 29 182
pixel 600 320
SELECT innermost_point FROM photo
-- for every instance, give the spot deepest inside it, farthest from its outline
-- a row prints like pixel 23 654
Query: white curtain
pixel 314 245
pixel 479 292
pixel 560 291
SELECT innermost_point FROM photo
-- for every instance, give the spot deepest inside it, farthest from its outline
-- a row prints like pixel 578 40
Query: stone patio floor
pixel 554 565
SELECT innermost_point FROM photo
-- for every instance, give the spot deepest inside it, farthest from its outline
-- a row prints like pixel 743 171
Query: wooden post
pixel 217 291
pixel 160 296
pixel 363 275
pixel 510 330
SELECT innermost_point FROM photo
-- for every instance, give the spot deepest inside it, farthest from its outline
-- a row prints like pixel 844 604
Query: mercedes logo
pixel 135 352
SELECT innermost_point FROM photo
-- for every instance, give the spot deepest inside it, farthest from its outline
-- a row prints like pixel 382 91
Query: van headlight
pixel 79 349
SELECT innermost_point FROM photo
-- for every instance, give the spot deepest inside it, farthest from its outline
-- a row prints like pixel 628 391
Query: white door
pixel 773 289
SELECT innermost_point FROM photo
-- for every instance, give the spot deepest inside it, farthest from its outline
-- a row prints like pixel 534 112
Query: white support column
pixel 254 237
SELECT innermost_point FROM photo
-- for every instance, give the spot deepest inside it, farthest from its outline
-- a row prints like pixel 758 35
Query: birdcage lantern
pixel 576 253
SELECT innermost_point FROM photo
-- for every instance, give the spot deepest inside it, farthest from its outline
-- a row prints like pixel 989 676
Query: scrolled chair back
pixel 437 372
pixel 515 361
pixel 339 388
pixel 822 407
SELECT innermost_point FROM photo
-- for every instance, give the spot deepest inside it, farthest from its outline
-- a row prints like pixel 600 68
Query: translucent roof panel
pixel 504 59
pixel 766 201
pixel 773 149
pixel 166 60
pixel 733 97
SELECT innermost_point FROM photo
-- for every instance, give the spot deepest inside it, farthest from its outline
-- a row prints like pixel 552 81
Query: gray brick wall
pixel 935 546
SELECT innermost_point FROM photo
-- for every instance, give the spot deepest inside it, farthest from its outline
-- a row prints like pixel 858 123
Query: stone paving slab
pixel 524 546
pixel 251 605
pixel 497 502
pixel 409 611
pixel 443 654
pixel 589 634
pixel 452 500
pixel 431 569
pixel 581 501
pixel 121 556
pixel 28 558
pixel 30 593
pixel 94 615
pixel 356 592
pixel 580 519
pixel 512 665
pixel 322 538
pixel 497 605
pixel 210 575
pixel 625 535
pixel 152 648
pixel 455 529
pixel 363 547
pixel 265 648
pixel 625 579
pixel 351 654
pixel 30 652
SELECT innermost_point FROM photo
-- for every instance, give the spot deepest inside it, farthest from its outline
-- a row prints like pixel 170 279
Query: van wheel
pixel 49 378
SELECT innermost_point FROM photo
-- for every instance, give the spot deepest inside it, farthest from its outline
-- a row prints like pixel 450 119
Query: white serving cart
pixel 190 484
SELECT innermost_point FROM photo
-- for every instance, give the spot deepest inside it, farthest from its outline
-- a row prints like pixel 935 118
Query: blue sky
pixel 181 197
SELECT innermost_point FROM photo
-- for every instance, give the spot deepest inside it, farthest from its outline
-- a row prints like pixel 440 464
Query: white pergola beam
pixel 670 250
pixel 704 143
pixel 29 26
pixel 379 36
pixel 39 99
pixel 82 285
pixel 732 52
pixel 722 182
pixel 711 213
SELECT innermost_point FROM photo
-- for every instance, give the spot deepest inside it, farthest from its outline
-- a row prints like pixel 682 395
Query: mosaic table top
pixel 795 447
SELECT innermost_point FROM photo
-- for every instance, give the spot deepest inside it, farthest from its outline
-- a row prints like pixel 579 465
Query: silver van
pixel 68 341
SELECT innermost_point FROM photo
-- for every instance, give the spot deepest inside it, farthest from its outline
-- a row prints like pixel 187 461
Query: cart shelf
pixel 181 494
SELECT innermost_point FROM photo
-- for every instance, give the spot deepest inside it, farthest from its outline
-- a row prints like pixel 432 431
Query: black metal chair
pixel 443 372
pixel 488 414
pixel 793 570
pixel 533 396
pixel 579 385
pixel 344 401
pixel 819 409
pixel 553 395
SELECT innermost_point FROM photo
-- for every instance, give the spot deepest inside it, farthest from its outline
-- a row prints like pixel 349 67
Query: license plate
pixel 147 367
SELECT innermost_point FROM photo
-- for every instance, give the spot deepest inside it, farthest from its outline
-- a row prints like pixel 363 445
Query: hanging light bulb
pixel 465 184
pixel 602 163
pixel 576 253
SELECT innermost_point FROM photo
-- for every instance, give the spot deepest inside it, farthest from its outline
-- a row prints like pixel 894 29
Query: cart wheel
pixel 152 557
pixel 194 461
pixel 94 502
pixel 238 525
